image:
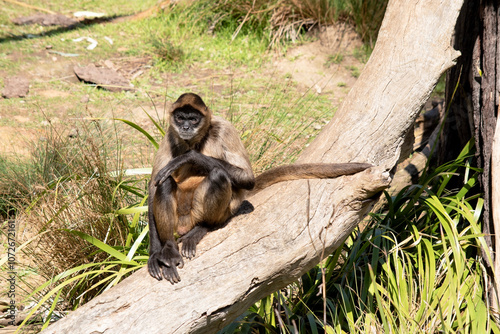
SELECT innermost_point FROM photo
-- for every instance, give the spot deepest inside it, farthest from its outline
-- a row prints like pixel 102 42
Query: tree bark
pixel 474 107
pixel 295 224
pixel 495 209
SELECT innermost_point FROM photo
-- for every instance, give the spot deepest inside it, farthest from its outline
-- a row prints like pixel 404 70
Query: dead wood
pixel 294 223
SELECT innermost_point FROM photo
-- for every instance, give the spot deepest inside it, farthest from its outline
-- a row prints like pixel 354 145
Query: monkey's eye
pixel 194 121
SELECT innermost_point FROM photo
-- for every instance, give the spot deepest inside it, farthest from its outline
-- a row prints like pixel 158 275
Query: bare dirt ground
pixel 325 65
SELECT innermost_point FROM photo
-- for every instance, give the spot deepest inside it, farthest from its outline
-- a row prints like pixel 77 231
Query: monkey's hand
pixel 200 161
pixel 191 239
pixel 172 166
pixel 154 266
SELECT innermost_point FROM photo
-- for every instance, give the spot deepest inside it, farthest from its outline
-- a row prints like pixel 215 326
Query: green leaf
pixel 158 126
pixel 141 130
pixel 133 210
pixel 137 243
pixel 104 247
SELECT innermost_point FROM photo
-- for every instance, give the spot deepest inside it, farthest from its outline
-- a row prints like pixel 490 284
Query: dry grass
pixel 287 19
pixel 72 192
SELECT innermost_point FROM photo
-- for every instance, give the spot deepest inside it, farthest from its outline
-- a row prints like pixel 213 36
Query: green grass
pixel 362 53
pixel 334 59
pixel 34 38
pixel 355 71
pixel 173 37
pixel 181 35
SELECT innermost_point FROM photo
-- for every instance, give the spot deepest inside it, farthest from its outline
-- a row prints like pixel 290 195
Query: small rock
pixel 85 99
pixel 103 77
pixel 316 126
pixel 73 133
pixel 4 306
pixel 45 20
pixel 17 86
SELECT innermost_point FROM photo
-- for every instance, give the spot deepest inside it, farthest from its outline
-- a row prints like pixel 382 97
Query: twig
pixel 30 6
pixel 146 13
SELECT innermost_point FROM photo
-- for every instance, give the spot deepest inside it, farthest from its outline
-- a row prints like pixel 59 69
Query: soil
pixel 17 86
pixel 325 65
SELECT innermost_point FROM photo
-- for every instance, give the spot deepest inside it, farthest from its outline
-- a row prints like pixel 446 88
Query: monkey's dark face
pixel 188 122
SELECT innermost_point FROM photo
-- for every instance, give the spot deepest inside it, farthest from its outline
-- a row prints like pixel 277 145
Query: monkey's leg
pixel 210 208
pixel 154 241
pixel 162 223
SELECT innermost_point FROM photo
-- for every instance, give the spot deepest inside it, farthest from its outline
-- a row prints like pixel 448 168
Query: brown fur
pixel 222 142
pixel 306 171
pixel 202 181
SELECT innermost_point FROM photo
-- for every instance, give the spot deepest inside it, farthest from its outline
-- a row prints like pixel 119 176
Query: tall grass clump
pixel 285 20
pixel 73 192
pixel 240 31
pixel 73 227
pixel 196 33
pixel 16 180
pixel 416 267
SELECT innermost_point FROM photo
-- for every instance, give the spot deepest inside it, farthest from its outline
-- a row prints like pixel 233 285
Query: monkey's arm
pixel 239 178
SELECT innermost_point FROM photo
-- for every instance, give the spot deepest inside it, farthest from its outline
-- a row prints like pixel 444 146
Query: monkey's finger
pixel 192 252
pixel 180 264
pixel 171 275
pixel 188 249
pixel 160 179
pixel 154 270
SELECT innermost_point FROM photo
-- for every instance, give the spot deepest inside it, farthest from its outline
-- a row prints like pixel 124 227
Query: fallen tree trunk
pixel 295 224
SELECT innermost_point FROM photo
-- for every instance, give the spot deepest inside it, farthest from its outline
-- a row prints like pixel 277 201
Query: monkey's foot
pixel 171 274
pixel 191 239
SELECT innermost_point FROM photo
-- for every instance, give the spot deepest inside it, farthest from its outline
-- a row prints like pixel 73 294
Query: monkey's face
pixel 187 121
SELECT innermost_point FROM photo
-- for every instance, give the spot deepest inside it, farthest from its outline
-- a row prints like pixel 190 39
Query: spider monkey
pixel 201 175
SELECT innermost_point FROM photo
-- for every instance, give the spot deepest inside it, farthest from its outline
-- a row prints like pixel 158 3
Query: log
pixel 295 224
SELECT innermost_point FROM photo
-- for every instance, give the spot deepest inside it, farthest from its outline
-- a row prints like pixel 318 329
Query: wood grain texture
pixel 295 222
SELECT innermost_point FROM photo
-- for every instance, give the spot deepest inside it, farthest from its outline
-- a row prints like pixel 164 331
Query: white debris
pixel 93 42
pixel 88 15
pixel 110 41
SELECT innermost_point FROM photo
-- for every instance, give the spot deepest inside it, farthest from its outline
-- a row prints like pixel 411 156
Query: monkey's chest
pixel 186 187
